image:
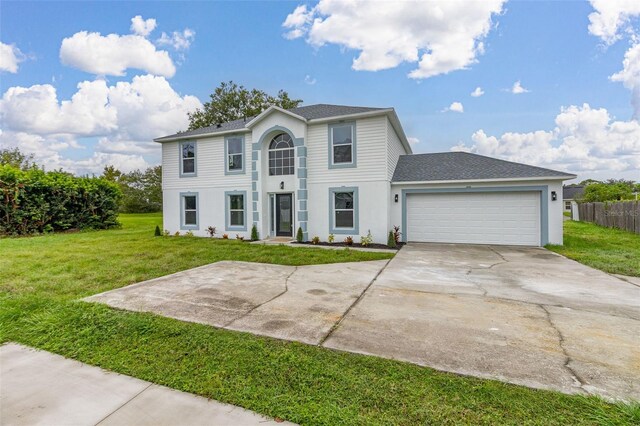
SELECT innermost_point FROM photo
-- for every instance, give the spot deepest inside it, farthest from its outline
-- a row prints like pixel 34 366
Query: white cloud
pixel 455 107
pixel 10 57
pixel 178 40
pixel 413 141
pixel 441 36
pixel 629 76
pixel 125 117
pixel 113 54
pixel 309 80
pixel 612 16
pixel 517 88
pixel 585 140
pixel 142 27
pixel 478 92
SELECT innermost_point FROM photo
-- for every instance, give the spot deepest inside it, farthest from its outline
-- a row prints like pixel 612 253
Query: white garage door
pixel 511 218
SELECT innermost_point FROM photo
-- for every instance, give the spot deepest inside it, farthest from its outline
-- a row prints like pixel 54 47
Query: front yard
pixel 43 277
pixel 607 249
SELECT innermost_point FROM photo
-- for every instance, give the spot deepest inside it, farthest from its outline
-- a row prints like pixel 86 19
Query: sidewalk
pixel 38 387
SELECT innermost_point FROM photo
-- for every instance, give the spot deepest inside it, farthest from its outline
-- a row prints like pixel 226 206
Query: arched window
pixel 281 157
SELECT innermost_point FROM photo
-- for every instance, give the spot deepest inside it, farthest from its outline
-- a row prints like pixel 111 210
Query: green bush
pixel 34 201
pixel 254 233
pixel 299 235
pixel 391 240
pixel 158 233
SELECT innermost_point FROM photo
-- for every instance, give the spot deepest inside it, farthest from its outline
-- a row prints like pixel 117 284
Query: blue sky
pixel 549 47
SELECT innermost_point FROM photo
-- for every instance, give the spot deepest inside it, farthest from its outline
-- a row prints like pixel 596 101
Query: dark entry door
pixel 284 215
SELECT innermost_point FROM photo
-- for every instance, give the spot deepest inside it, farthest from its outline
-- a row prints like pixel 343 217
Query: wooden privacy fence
pixel 620 214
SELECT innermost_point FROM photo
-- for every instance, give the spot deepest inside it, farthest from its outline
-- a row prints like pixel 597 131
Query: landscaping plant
pixel 366 241
pixel 331 238
pixel 348 241
pixel 315 240
pixel 299 235
pixel 254 233
pixel 211 231
pixel 158 233
pixel 391 240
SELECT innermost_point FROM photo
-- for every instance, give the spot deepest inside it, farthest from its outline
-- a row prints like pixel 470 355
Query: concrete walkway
pixel 40 388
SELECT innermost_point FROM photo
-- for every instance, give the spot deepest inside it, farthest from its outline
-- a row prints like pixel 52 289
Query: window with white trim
pixel 281 156
pixel 190 210
pixel 342 146
pixel 188 158
pixel 343 210
pixel 236 210
pixel 235 154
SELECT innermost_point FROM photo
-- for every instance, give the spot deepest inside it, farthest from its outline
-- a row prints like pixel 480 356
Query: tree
pixel 141 191
pixel 232 102
pixel 614 191
pixel 15 158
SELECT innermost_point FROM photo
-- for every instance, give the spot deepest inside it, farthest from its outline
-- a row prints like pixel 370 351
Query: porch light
pixel 282 185
pixel 395 198
pixel 554 195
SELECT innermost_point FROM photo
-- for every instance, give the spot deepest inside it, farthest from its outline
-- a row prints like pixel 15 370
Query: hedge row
pixel 34 201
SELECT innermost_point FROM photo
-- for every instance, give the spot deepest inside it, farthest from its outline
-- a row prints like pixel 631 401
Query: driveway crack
pixel 286 288
pixel 470 270
pixel 335 326
pixel 574 374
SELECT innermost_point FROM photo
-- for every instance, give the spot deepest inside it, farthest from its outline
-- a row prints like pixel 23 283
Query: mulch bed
pixel 354 245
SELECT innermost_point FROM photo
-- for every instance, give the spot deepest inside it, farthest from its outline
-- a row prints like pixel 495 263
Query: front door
pixel 284 215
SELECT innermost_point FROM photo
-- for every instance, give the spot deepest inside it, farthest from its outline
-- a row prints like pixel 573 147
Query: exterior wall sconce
pixel 554 195
pixel 282 185
pixel 395 198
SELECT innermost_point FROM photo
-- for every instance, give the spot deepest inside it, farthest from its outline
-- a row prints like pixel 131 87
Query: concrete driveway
pixel 521 315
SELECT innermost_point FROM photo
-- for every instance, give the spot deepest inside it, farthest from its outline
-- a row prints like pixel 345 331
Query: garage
pixel 508 218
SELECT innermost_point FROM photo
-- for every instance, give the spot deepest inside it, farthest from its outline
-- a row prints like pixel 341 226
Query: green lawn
pixel 607 249
pixel 43 277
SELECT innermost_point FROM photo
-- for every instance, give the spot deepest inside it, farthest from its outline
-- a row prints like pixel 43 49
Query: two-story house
pixel 347 171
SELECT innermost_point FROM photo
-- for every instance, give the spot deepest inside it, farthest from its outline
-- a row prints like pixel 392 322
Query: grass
pixel 610 250
pixel 43 278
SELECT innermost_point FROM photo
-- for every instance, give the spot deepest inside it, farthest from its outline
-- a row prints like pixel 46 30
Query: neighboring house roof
pixel 309 112
pixel 572 192
pixel 456 166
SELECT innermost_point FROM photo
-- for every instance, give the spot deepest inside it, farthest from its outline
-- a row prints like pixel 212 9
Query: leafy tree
pixel 614 191
pixel 142 191
pixel 15 158
pixel 232 102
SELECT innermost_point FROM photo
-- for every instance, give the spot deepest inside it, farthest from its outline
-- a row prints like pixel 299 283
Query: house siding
pixel 371 151
pixel 394 149
pixel 210 164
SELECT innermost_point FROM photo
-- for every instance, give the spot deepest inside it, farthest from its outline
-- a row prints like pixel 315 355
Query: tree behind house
pixel 141 191
pixel 232 102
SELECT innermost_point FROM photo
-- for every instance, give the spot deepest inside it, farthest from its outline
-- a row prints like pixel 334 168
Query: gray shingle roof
pixel 572 192
pixel 309 112
pixel 446 166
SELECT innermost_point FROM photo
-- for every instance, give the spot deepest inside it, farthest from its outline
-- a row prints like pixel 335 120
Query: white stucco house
pixel 342 170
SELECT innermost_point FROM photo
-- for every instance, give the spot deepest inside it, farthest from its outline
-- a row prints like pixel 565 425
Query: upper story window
pixel 281 156
pixel 188 159
pixel 342 145
pixel 234 149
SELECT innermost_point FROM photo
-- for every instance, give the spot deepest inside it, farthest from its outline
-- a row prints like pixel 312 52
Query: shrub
pixel 188 234
pixel 35 201
pixel 166 233
pixel 211 231
pixel 158 233
pixel 366 241
pixel 177 234
pixel 225 236
pixel 331 238
pixel 348 241
pixel 299 235
pixel 239 238
pixel 254 233
pixel 315 240
pixel 391 241
pixel 396 234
